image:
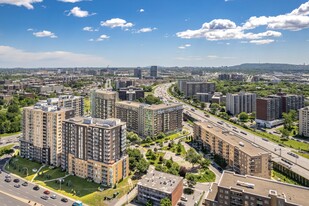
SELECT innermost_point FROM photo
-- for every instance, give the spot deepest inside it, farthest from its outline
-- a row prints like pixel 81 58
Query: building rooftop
pixel 107 123
pixel 43 106
pixel 262 187
pixel 161 181
pixel 152 107
pixel 101 91
pixel 232 139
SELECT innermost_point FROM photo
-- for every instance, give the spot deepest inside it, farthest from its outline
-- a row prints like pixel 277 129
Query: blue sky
pixel 65 33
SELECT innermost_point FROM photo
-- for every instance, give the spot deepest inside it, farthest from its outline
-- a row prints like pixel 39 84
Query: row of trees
pixel 137 162
pixel 150 99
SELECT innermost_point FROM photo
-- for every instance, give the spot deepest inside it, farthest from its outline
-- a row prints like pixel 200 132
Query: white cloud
pixel 262 41
pixel 76 11
pixel 30 29
pixel 141 10
pixel 212 56
pixel 89 28
pixel 145 30
pixel 71 1
pixel 25 3
pixel 12 57
pixel 44 33
pixel 103 37
pixel 116 22
pixel 225 29
pixel 184 46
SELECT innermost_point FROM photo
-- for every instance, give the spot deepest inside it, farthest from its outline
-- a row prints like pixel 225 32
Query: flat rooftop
pixel 89 121
pixel 160 181
pixel 263 187
pixel 152 107
pixel 232 139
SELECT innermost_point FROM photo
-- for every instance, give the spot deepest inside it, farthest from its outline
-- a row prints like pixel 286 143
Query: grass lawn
pixel 87 192
pixel 87 104
pixel 306 155
pixel 9 134
pixel 20 167
pixel 203 176
pixel 47 174
pixel 282 178
pixel 293 132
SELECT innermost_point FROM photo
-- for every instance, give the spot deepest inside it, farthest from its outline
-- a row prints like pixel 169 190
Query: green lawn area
pixel 293 132
pixel 85 191
pixel 282 178
pixel 18 166
pixel 86 104
pixel 47 173
pixel 9 134
pixel 203 176
pixel 306 155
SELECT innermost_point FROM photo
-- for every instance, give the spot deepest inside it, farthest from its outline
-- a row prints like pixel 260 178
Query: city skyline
pixel 71 33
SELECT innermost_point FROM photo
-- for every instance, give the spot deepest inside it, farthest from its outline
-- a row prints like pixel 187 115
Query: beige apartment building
pixel 304 121
pixel 243 157
pixel 103 104
pixel 69 101
pixel 42 133
pixel 96 149
pixel 150 120
pixel 239 190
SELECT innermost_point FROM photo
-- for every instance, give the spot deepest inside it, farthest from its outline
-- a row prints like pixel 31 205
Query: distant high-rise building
pixel 190 88
pixel 150 120
pixel 131 93
pixel 288 102
pixel 138 73
pixel 268 112
pixel 69 101
pixel 237 77
pixel 241 102
pixel 95 149
pixel 103 104
pixel 154 71
pixel 224 77
pixel 123 83
pixel 304 121
pixel 41 139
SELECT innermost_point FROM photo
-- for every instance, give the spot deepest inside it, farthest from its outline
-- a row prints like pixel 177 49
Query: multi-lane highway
pixel 300 164
pixel 10 195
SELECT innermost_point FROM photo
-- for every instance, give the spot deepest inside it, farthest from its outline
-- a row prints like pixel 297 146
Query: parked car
pixel 16 180
pixel 64 199
pixel 17 185
pixel 46 192
pixel 25 184
pixel 45 197
pixel 53 197
pixel 36 188
pixel 8 179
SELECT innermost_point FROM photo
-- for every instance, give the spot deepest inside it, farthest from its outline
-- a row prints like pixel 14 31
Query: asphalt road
pixel 24 192
pixel 275 149
pixel 9 139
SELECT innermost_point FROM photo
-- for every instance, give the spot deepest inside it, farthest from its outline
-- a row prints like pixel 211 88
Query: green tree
pixel 193 157
pixel 203 105
pixel 285 133
pixel 165 202
pixel 214 107
pixel 288 119
pixel 142 166
pixel 243 116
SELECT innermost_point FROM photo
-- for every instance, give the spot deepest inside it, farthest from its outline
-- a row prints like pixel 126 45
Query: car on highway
pixel 64 199
pixel 46 192
pixel 243 132
pixel 7 176
pixel 16 180
pixel 45 197
pixel 25 184
pixel 36 188
pixel 293 155
pixel 265 139
pixel 77 203
pixel 17 185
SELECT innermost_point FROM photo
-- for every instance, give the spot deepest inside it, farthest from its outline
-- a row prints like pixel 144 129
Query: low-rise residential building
pixel 41 138
pixel 239 190
pixel 130 93
pixel 150 120
pixel 155 186
pixel 96 149
pixel 241 156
